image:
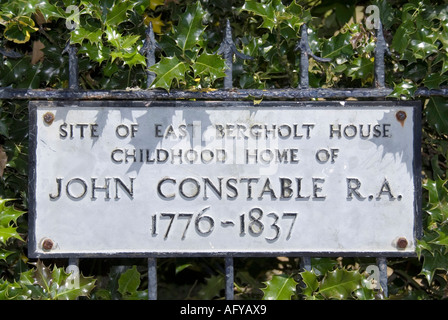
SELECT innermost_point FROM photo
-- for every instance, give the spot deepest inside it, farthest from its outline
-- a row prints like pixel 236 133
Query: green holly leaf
pixel 436 259
pixel 364 293
pixel 182 267
pixel 437 204
pixel 118 13
pixel 323 265
pixel 4 254
pixel 47 9
pixel 98 53
pixel 120 41
pixel 422 49
pixel 213 286
pixel 8 214
pixel 153 4
pixel 211 65
pixel 93 35
pixel 436 112
pixel 340 283
pixel 28 7
pixel 361 68
pixel 8 233
pixel 264 10
pixel 338 48
pixel 295 15
pixel 59 285
pixel 19 29
pixel 442 238
pixel 435 80
pixel 404 89
pixel 189 30
pixel 167 70
pixel 311 284
pixel 8 218
pixel 280 287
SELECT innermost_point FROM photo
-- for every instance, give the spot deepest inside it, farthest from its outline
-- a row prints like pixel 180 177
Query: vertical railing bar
pixel 229 269
pixel 382 266
pixel 149 49
pixel 302 46
pixel 227 49
pixel 305 52
pixel 73 71
pixel 152 278
pixel 379 78
pixel 73 267
pixel 73 262
pixel 380 49
pixel 305 263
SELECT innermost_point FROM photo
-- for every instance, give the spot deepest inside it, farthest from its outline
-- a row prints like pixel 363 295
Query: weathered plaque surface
pixel 134 178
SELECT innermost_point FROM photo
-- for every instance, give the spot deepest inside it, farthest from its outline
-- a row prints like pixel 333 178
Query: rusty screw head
pixel 47 244
pixel 49 117
pixel 402 243
pixel 401 115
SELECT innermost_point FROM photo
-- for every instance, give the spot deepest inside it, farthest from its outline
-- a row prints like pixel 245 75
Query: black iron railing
pixel 227 50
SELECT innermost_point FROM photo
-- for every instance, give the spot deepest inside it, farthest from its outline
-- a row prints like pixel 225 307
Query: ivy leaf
pixel 280 287
pixel 129 281
pixel 166 70
pixel 209 64
pixel 189 30
pixel 340 283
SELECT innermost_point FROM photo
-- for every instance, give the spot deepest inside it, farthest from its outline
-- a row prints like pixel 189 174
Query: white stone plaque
pixel 134 178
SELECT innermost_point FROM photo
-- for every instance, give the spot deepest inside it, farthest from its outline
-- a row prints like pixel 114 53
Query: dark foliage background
pixel 109 35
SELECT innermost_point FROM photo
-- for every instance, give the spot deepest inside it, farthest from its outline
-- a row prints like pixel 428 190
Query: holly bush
pixel 110 34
